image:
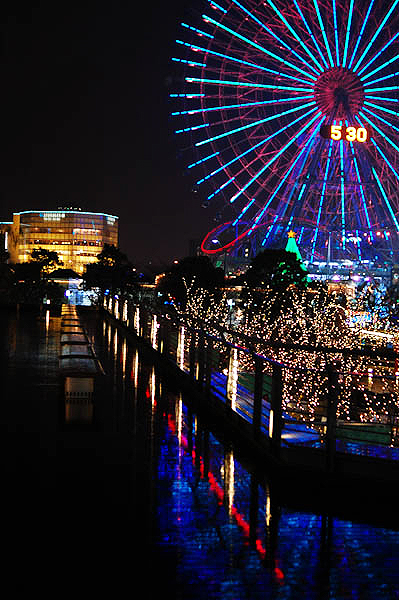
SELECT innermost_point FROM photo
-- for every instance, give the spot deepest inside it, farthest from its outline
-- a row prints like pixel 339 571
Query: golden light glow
pixel 350 134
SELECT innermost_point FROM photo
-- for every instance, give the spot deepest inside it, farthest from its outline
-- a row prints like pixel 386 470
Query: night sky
pixel 85 119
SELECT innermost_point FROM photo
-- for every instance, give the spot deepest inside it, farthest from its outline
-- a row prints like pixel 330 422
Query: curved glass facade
pixel 76 236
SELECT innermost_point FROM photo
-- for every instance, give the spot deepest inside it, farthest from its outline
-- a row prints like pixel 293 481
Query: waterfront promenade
pixel 134 485
pixel 294 437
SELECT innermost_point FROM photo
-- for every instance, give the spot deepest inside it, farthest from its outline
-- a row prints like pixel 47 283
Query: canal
pixel 132 492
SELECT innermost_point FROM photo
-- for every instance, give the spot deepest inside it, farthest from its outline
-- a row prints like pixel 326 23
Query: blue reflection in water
pixel 228 536
pixel 233 542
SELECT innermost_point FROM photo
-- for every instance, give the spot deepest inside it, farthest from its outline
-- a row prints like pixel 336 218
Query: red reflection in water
pixel 219 492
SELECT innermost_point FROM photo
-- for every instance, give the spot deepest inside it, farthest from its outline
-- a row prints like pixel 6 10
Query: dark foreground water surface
pixel 134 495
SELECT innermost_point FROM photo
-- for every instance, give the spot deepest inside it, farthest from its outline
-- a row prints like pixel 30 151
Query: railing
pixel 317 407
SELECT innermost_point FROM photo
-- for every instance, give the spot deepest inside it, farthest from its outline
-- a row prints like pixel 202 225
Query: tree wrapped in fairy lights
pixel 292 110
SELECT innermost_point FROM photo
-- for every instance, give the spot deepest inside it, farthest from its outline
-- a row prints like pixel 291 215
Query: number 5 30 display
pixel 350 134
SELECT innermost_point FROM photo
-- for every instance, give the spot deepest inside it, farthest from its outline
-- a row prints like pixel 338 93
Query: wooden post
pixel 332 403
pixel 258 394
pixel 201 360
pixel 192 355
pixel 208 367
pixel 275 419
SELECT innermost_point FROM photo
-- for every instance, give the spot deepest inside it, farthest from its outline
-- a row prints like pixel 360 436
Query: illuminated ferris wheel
pixel 292 110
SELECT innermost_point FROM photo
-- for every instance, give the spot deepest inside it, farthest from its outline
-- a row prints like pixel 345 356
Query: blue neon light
pixel 362 192
pixel 310 33
pixel 255 123
pixel 270 229
pixel 342 193
pixel 276 37
pixel 323 191
pixel 347 33
pixel 251 85
pixel 323 31
pixel 271 161
pixel 279 153
pixel 388 110
pixel 192 128
pixel 199 31
pixel 386 199
pixel 381 78
pixel 242 213
pixel 196 48
pixel 262 142
pixel 214 4
pixel 361 33
pixel 358 245
pixel 388 62
pixel 379 53
pixel 219 189
pixel 190 63
pixel 336 31
pixel 306 148
pixel 377 32
pixel 381 119
pixel 198 162
pixel 255 45
pixel 186 95
pixel 294 33
pixel 383 98
pixel 244 105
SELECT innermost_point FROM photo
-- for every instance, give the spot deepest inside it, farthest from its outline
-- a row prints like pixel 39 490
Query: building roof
pixel 78 212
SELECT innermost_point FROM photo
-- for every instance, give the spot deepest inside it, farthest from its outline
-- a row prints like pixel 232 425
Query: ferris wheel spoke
pixel 381 79
pixel 373 114
pixel 388 162
pixel 243 105
pixel 251 149
pixel 266 206
pixel 294 33
pixel 259 122
pixel 379 107
pixel 202 160
pixel 335 32
pixel 323 191
pixel 275 157
pixel 384 195
pixel 342 185
pixel 277 38
pixel 215 5
pixel 310 33
pixel 391 88
pixel 376 34
pixel 323 32
pixel 244 84
pixel 260 48
pixel 244 210
pixel 361 188
pixel 282 206
pixel 386 64
pixel 359 39
pixel 264 78
pixel 348 28
pixel 246 63
pixel 379 53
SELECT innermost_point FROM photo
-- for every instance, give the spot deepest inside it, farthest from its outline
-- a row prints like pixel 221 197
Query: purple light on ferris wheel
pixel 291 109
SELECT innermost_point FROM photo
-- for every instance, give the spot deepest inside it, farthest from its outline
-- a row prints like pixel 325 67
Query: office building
pixel 77 236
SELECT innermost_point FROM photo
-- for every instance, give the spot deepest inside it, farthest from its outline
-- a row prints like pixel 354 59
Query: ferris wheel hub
pixel 339 93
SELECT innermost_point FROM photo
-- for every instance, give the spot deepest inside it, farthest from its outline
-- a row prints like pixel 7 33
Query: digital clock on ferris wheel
pixel 345 133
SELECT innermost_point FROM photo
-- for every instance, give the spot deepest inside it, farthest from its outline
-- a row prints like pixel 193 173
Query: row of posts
pixel 156 330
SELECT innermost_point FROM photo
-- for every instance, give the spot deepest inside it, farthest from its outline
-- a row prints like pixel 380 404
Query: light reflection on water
pixel 231 538
pixel 217 526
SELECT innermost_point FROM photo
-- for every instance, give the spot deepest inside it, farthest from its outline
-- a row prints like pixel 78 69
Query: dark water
pixel 134 494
